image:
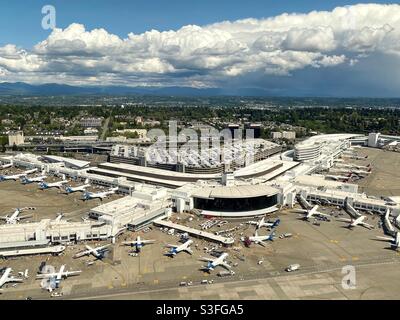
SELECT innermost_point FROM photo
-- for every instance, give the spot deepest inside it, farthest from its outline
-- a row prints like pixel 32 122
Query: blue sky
pixel 123 16
pixel 297 47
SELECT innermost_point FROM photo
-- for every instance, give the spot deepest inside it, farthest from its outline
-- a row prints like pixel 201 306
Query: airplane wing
pixel 261 243
pixel 81 254
pixel 3 218
pixel 226 266
pixel 71 273
pixel 300 210
pixel 252 222
pixel 171 246
pixel 148 241
pixel 13 279
pixel 129 243
pixel 45 275
pixel 322 214
pixel 206 259
pixel 188 250
pixel 366 225
pixel 385 238
pixel 344 219
pixel 26 216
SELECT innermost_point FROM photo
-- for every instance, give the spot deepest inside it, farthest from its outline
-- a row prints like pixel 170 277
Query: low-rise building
pixel 141 133
pixel 290 135
pixel 91 131
pixel 16 138
pixel 91 122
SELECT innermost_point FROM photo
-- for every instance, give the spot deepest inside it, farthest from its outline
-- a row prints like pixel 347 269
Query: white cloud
pixel 306 39
pixel 206 55
pixel 330 61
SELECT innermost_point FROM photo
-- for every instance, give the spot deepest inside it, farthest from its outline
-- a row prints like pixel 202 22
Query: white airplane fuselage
pixel 5 278
pixel 357 221
pixel 218 261
pixel 182 247
pixel 15 177
pixel 26 180
pixel 58 276
pixel 98 195
pixel 14 217
pixel 77 189
pixel 57 184
pixel 6 166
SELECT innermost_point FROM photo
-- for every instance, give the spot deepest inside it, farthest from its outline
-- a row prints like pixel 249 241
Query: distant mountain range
pixel 54 89
pixel 49 89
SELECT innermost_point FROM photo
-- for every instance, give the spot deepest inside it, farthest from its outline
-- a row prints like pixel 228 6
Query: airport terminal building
pixel 150 193
pixel 233 201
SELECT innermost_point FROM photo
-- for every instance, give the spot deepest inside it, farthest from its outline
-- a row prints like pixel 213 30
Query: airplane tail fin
pixel 276 223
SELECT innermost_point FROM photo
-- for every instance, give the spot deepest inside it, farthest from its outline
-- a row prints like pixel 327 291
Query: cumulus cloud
pixel 207 55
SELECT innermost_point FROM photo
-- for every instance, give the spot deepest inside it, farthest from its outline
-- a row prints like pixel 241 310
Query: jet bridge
pixel 348 207
pixel 388 225
pixel 303 202
pixel 194 232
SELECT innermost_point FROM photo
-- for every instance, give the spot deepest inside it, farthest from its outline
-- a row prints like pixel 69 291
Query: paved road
pixel 242 281
pixel 105 128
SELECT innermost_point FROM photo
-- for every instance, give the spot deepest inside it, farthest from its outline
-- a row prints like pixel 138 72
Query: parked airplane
pixel 97 252
pixel 338 178
pixel 5 278
pixel 261 223
pixel 309 213
pixel 387 224
pixel 353 166
pixel 350 172
pixel 57 276
pixel 59 217
pixel 213 263
pixel 99 195
pixel 394 241
pixel 138 243
pixel 175 249
pixel 355 157
pixel 15 177
pixel 260 239
pixel 26 180
pixel 15 217
pixel 6 166
pixel 81 188
pixel 303 202
pixel 47 185
pixel 356 222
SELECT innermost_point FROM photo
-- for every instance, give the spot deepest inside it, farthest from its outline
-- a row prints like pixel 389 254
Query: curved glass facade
pixel 236 205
